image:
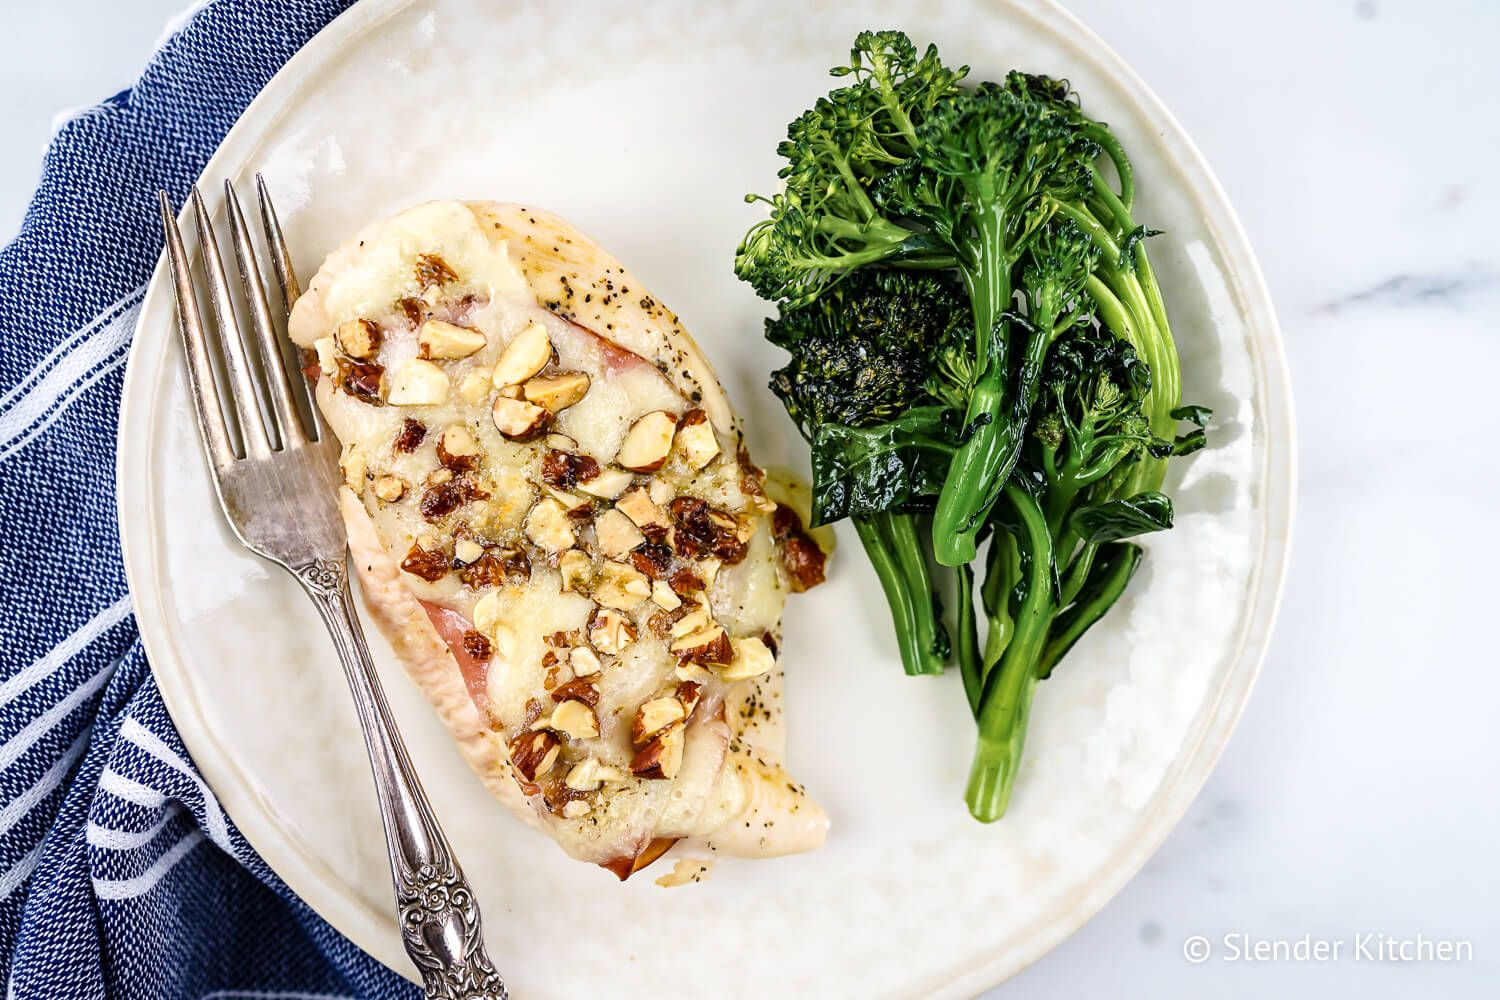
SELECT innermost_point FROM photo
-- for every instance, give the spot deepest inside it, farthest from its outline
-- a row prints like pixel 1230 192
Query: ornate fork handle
pixel 439 915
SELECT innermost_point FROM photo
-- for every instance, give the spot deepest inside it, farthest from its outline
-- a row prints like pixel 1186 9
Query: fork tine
pixel 190 324
pixel 231 339
pixel 281 259
pixel 278 381
pixel 291 290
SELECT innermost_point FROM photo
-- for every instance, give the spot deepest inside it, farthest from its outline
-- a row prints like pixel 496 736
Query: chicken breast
pixel 556 526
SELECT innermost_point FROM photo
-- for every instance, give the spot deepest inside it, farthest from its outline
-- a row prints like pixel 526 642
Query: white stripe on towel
pixel 20 872
pixel 80 335
pixel 133 792
pixel 218 829
pixel 107 838
pixel 57 410
pixel 129 888
pixel 42 724
pixel 64 651
pixel 22 804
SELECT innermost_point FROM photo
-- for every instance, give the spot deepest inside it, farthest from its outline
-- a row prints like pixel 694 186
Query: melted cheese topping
pixel 527 591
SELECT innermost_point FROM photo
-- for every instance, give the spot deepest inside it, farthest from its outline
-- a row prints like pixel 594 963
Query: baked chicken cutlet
pixel 556 525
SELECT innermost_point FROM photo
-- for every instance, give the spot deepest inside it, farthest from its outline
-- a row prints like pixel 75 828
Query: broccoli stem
pixel 980 462
pixel 970 663
pixel 1078 573
pixel 1001 574
pixel 1104 587
pixel 1147 327
pixel 1101 134
pixel 893 546
pixel 1005 705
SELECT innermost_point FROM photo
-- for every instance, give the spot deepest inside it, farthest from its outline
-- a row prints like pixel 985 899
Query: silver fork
pixel 276 486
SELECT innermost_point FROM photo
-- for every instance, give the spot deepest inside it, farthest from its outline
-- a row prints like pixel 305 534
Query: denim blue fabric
pixel 120 875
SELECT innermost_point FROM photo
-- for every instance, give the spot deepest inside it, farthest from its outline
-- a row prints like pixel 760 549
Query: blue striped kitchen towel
pixel 120 874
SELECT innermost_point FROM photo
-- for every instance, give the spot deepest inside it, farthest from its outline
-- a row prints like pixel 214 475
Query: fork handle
pixel 439 913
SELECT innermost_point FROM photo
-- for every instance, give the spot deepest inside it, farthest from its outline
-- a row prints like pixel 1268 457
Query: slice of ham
pixel 616 358
pixel 451 627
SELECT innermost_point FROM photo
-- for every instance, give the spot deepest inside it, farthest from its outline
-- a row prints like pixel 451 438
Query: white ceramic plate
pixel 645 124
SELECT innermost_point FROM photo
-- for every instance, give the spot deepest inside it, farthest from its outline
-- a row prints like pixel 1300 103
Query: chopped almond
pixel 390 488
pixel 474 386
pixel 695 440
pixel 358 338
pixel 584 661
pixel 411 436
pixel 466 550
pixel 664 597
pixel 457 449
pixel 518 419
pixel 661 758
pixel 352 464
pixel 620 586
pixel 576 569
pixel 327 353
pixel 637 506
pixel 607 483
pixel 655 715
pixel 648 442
pixel 752 657
pixel 611 632
pixel 547 525
pixel 588 774
pixel 617 534
pixel 709 644
pixel 689 693
pixel 556 393
pixel 418 383
pixel 527 354
pixel 579 689
pixel 575 719
pixel 438 339
pixel 533 754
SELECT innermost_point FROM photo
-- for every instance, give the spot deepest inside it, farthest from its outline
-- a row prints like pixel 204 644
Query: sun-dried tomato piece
pixel 702 529
pixel 477 645
pixel 428 564
pixel 413 433
pixel 361 379
pixel 496 568
pixel 442 499
pixel 563 470
pixel 653 559
pixel 803 561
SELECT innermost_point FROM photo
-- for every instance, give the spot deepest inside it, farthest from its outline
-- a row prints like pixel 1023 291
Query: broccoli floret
pixel 824 223
pixel 865 351
pixel 1091 418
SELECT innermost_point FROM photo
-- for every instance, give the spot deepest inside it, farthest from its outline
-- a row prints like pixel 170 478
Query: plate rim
pixel 367 929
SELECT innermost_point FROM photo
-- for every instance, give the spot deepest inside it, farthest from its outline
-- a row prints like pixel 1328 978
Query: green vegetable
pixel 866 385
pixel 979 354
pixel 1068 502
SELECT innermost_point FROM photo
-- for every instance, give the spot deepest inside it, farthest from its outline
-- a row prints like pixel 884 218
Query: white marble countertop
pixel 1358 796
